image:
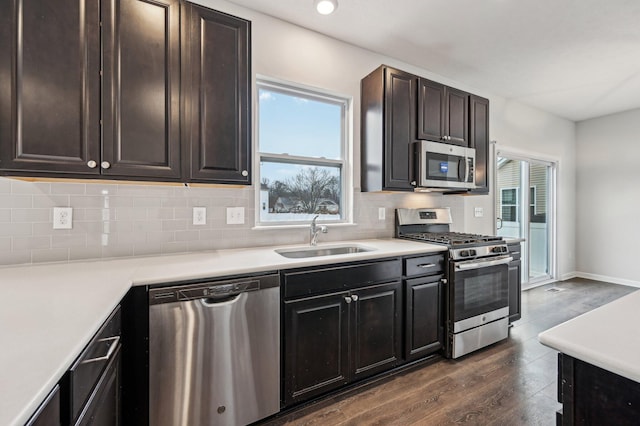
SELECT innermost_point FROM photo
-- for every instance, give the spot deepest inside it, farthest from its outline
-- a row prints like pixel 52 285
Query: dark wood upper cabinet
pixel 217 96
pixel 479 139
pixel 141 88
pixel 388 110
pixel 443 113
pixel 124 89
pixel 50 86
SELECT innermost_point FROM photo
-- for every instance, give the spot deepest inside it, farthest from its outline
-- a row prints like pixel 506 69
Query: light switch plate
pixel 235 215
pixel 381 213
pixel 199 215
pixel 62 218
pixel 478 212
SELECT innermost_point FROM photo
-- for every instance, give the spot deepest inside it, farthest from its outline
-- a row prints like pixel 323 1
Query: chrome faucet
pixel 315 230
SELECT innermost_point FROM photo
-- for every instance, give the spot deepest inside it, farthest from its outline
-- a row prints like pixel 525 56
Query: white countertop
pixel 606 337
pixel 50 312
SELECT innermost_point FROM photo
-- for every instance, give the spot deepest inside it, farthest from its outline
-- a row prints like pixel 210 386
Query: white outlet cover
pixel 199 215
pixel 478 212
pixel 62 218
pixel 235 215
pixel 381 213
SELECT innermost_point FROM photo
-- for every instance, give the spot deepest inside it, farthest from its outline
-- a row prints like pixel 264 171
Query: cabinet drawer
pixel 308 282
pixel 432 264
pixel 86 371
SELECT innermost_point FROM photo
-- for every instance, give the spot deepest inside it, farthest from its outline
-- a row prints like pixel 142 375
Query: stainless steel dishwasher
pixel 214 352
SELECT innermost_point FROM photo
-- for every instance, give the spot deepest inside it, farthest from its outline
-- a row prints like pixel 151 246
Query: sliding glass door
pixel 525 199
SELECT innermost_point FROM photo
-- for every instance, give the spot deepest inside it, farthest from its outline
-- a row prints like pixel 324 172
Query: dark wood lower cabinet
pixel 48 414
pixel 423 327
pixel 315 346
pixel 331 340
pixel 515 283
pixel 377 333
pixel 104 405
pixel 593 396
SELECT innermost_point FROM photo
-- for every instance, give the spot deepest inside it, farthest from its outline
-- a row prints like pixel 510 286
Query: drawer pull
pixel 112 348
pixel 515 252
pixel 426 265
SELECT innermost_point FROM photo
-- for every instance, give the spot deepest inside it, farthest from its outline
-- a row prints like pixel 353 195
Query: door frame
pixel 552 211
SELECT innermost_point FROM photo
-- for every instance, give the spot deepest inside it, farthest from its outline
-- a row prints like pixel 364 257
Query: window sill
pixel 303 226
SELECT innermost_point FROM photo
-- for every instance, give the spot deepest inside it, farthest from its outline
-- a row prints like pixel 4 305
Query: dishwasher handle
pixel 214 292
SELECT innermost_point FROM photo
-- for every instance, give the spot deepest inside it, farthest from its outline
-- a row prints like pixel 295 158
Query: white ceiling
pixel 578 59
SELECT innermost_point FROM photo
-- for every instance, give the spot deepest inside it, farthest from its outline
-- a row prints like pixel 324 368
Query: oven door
pixel 479 290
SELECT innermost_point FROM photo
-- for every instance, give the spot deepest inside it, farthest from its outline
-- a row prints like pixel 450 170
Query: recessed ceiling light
pixel 326 7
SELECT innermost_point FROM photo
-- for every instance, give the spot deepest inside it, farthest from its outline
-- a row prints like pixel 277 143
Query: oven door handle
pixel 483 263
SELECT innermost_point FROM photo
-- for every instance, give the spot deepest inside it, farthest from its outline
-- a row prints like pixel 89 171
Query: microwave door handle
pixel 466 169
pixel 461 170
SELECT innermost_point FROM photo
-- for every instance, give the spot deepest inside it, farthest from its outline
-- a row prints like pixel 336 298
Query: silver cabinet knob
pixel 105 165
pixel 92 164
pixel 354 297
pixel 245 173
pixel 444 138
pixel 347 299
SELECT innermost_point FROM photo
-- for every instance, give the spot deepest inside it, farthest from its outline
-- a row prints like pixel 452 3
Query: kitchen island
pixel 52 311
pixel 599 364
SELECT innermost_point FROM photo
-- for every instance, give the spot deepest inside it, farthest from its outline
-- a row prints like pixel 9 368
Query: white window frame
pixel 516 205
pixel 345 163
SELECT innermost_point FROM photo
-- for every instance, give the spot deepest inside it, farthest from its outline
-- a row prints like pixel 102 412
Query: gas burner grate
pixel 451 238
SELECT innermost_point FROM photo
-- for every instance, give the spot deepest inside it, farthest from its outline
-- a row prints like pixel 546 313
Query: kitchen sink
pixel 299 253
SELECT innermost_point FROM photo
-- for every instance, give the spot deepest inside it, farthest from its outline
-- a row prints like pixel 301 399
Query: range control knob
pixel 464 253
pixel 472 252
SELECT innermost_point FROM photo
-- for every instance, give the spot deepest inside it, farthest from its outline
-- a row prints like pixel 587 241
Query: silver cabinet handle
pixel 501 260
pixel 105 164
pixel 114 345
pixel 92 164
pixel 245 173
pixel 426 265
pixel 354 297
pixel 348 299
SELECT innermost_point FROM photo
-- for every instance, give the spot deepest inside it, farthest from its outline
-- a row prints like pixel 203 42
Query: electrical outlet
pixel 478 212
pixel 199 215
pixel 235 215
pixel 381 213
pixel 62 218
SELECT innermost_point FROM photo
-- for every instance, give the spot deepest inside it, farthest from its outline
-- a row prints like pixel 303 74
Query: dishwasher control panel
pixel 212 289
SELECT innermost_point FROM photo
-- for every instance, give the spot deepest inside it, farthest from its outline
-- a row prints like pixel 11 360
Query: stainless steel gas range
pixel 477 292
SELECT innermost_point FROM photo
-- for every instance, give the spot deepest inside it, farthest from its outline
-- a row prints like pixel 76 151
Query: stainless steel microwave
pixel 444 166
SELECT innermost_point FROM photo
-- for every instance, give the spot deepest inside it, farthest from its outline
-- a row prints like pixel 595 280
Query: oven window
pixel 480 291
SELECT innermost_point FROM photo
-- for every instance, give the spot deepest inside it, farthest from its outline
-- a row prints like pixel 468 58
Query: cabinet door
pixel 49 85
pixel 515 289
pixel 431 119
pixel 216 66
pixel 400 110
pixel 457 117
pixel 377 329
pixel 423 334
pixel 141 84
pixel 315 346
pixel 479 139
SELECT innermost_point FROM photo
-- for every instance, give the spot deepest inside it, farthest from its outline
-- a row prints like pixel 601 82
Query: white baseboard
pixel 569 275
pixel 605 278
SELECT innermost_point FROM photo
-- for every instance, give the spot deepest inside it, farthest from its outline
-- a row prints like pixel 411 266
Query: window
pixel 509 202
pixel 302 151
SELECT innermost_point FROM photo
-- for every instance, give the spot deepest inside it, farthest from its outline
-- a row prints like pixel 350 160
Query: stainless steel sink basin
pixel 299 253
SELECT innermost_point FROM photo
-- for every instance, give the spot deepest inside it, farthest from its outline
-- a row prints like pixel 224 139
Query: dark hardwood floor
pixel 510 383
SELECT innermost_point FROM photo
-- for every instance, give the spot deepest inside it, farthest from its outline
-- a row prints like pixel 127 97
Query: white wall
pixel 608 175
pixel 161 224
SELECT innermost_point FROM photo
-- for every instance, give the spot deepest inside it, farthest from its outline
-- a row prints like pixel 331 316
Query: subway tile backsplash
pixel 125 220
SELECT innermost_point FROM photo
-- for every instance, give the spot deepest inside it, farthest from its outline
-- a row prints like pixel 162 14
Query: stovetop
pixel 450 238
pixel 431 225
